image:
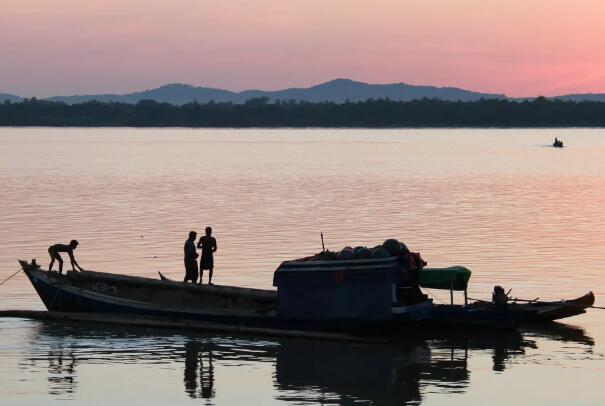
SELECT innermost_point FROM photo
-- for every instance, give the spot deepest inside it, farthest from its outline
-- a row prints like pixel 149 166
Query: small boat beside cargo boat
pixel 532 311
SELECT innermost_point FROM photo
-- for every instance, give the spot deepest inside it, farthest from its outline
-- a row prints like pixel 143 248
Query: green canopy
pixel 454 277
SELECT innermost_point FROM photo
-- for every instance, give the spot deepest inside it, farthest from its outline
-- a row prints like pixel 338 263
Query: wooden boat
pixel 538 311
pixel 342 296
pixel 335 309
pixel 456 278
pixel 98 292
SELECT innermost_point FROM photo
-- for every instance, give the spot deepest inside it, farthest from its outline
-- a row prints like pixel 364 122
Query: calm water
pixel 501 202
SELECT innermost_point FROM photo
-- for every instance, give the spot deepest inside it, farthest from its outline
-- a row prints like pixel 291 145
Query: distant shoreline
pixel 260 113
pixel 305 128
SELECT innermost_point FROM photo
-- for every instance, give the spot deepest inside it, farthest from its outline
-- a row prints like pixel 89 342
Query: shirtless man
pixel 208 245
pixel 54 250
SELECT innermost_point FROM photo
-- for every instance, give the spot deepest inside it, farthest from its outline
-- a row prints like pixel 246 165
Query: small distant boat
pixel 557 143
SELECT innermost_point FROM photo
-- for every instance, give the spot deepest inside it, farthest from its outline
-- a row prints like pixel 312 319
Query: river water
pixel 503 203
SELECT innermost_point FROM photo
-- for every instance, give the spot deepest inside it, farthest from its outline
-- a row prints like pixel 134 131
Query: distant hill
pixel 173 94
pixel 598 97
pixel 338 91
pixel 9 97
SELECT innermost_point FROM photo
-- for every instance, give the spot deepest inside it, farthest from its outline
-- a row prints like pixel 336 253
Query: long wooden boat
pixel 351 296
pixel 97 292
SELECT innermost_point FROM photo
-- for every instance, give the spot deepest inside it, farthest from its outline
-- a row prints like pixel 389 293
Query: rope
pixel 478 300
pixel 2 283
pixel 429 292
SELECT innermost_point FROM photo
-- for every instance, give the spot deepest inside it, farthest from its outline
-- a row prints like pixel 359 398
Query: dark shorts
pixel 54 255
pixel 191 269
pixel 207 262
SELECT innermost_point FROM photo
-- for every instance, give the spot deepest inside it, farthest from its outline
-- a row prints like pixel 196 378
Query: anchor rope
pixel 2 283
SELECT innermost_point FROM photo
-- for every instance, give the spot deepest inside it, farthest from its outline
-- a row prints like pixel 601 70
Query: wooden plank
pixel 156 322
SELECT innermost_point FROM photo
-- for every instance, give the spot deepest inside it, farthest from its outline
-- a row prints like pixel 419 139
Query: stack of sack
pixel 389 248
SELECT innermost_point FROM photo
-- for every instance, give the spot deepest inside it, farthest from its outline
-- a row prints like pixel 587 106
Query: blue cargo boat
pixel 333 296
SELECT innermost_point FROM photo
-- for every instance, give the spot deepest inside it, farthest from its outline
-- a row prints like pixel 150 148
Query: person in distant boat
pixel 54 251
pixel 208 245
pixel 191 258
pixel 414 264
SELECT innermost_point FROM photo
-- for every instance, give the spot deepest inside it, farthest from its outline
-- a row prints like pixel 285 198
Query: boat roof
pixel 307 265
pixel 453 277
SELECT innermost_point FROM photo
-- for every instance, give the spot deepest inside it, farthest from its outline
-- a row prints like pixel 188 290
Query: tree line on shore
pixel 383 113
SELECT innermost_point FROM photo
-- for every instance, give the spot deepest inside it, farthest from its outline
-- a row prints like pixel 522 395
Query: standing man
pixel 190 258
pixel 54 250
pixel 208 245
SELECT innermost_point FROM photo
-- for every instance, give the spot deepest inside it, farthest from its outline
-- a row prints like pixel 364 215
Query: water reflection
pixel 501 345
pixel 198 366
pixel 561 332
pixel 61 372
pixel 330 372
pixel 305 371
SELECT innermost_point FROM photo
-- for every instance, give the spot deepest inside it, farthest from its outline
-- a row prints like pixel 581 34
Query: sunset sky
pixel 516 47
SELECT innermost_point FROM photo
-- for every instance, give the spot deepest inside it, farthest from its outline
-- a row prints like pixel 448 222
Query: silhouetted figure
pixel 499 297
pixel 190 258
pixel 208 245
pixel 558 143
pixel 54 251
pixel 414 264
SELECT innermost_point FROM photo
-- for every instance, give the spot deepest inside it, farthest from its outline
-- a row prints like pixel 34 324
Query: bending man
pixel 54 250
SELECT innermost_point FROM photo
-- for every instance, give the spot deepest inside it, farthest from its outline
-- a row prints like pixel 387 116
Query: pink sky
pixel 520 48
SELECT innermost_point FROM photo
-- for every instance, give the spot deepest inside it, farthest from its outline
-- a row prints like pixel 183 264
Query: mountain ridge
pixel 10 97
pixel 338 90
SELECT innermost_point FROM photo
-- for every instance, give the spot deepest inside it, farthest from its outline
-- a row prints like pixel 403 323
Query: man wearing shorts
pixel 54 251
pixel 208 245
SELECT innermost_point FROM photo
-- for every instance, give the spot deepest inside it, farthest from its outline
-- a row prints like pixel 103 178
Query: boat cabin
pixel 362 289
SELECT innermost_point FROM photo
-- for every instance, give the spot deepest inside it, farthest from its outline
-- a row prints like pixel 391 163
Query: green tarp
pixel 455 277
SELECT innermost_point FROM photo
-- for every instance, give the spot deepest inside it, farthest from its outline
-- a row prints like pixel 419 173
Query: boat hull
pixel 541 312
pixel 457 315
pixel 512 314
